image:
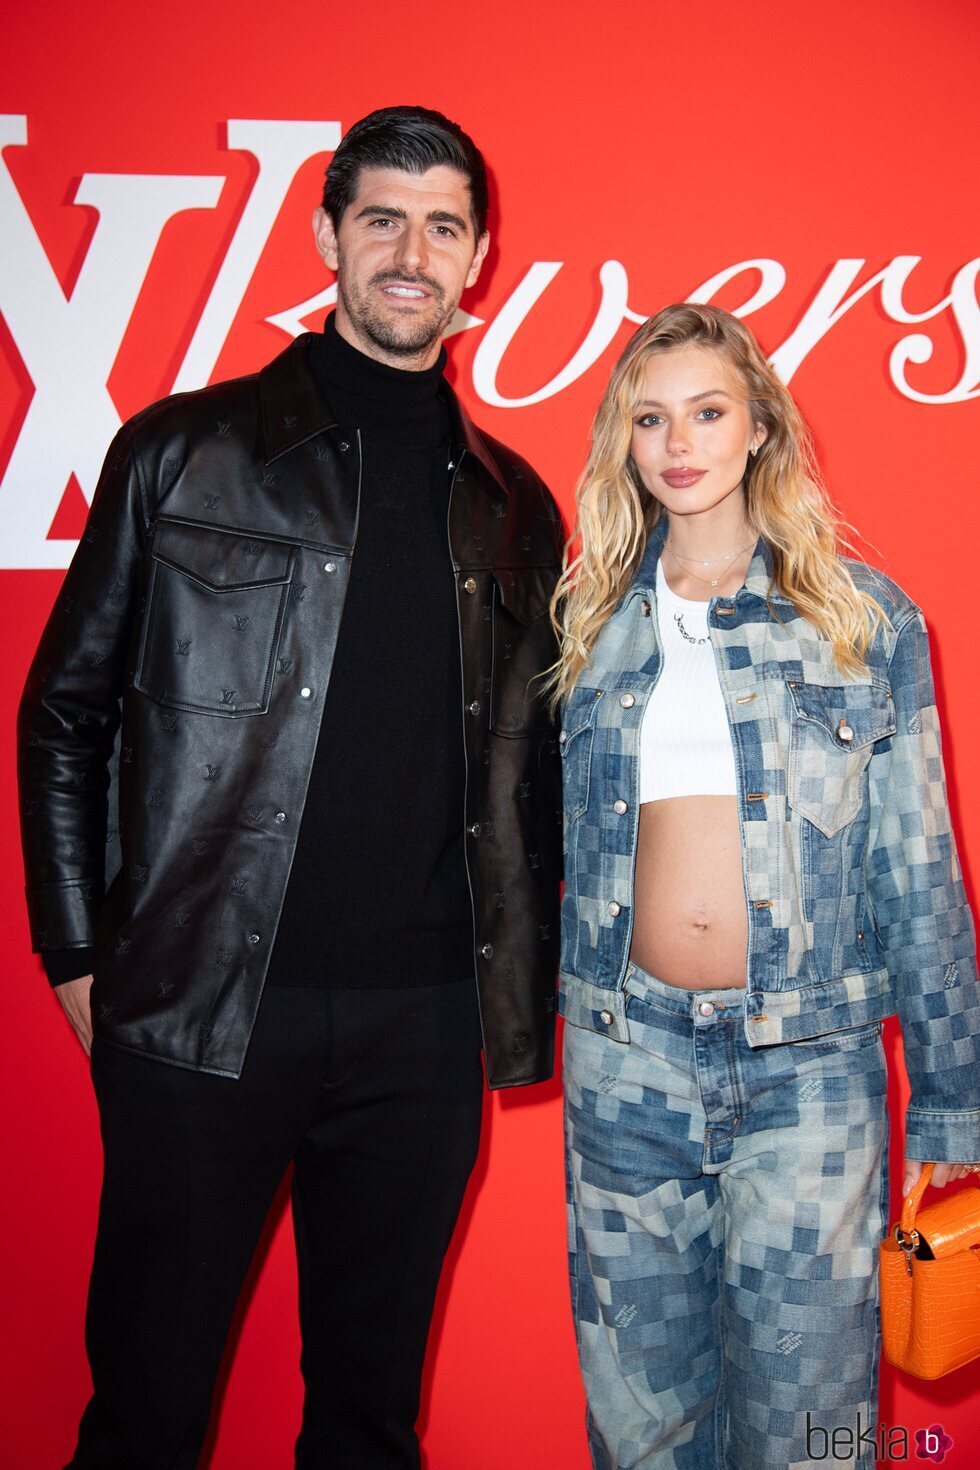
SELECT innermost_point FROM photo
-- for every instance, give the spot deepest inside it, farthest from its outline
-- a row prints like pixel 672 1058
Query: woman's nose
pixel 678 440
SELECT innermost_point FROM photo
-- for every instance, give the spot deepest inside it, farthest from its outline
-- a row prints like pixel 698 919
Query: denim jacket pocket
pixel 575 743
pixel 834 731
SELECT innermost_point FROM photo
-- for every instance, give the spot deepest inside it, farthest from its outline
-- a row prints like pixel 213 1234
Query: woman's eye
pixel 648 421
pixel 714 413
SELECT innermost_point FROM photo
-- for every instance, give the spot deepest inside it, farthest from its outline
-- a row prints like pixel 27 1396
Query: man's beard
pixel 405 338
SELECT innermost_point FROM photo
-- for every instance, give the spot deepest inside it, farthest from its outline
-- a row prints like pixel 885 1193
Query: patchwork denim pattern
pixel 855 900
pixel 725 1208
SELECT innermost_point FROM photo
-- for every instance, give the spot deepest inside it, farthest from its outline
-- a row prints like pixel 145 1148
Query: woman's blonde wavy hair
pixel 786 502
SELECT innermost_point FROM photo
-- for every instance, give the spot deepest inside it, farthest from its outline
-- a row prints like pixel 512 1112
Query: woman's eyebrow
pixel 696 398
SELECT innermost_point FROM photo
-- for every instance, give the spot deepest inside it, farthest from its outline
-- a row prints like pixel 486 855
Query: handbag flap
pixel 953 1224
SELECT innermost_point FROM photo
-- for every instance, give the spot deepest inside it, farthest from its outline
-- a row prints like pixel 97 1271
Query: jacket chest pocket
pixel 524 647
pixel 213 618
pixel 575 743
pixel 834 731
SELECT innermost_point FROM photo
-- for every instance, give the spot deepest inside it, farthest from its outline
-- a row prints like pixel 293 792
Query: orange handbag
pixel 930 1283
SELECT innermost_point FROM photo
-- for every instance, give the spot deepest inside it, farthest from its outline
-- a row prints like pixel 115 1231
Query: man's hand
pixel 74 997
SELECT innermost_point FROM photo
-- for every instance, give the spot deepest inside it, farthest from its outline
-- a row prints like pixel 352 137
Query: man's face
pixel 404 253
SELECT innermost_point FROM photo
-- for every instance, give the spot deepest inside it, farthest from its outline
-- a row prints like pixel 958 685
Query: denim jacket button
pixel 606 1018
pixel 706 1008
pixel 620 806
pixel 613 908
pixel 627 701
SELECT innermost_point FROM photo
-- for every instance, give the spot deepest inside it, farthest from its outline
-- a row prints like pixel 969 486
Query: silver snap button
pixel 614 909
pixel 254 938
pixel 606 1017
pixel 844 731
pixel 280 816
pixel 620 806
pixel 329 566
pixel 487 951
pixel 469 585
pixel 305 692
pixel 645 609
pixel 627 701
pixel 475 830
pixel 706 1008
pixel 562 738
pixel 474 708
pixel 344 446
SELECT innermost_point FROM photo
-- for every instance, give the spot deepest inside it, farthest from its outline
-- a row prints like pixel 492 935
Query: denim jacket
pixel 856 907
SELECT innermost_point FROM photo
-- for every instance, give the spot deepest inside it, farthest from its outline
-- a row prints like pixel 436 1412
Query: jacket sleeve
pixel 70 711
pixel 923 919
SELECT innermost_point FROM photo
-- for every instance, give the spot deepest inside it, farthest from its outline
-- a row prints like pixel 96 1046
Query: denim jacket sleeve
pixel 922 916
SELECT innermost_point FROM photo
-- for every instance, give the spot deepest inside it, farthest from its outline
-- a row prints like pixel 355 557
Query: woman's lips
pixel 682 479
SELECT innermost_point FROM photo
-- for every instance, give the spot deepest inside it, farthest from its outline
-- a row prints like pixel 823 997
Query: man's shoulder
pixel 520 476
pixel 217 410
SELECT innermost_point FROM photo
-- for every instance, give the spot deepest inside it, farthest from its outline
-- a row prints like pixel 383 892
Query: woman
pixel 759 868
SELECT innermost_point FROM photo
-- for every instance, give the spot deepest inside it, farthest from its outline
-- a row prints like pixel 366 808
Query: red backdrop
pixel 158 169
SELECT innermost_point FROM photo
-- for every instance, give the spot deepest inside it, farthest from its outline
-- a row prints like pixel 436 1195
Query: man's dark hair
pixel 413 139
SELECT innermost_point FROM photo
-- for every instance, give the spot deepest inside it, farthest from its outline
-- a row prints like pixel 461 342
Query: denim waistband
pixel 641 983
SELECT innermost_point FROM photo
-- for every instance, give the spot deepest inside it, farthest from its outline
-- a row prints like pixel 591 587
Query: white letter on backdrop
pixel 68 346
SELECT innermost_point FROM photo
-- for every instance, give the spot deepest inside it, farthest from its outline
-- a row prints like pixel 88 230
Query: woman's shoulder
pixel 893 600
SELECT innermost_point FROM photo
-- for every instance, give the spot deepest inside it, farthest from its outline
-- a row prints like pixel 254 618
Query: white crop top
pixel 685 744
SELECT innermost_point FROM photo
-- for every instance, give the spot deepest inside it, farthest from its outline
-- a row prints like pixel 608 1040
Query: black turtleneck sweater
pixel 378 893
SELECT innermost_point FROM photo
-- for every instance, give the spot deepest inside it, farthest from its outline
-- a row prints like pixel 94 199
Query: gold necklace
pixel 712 581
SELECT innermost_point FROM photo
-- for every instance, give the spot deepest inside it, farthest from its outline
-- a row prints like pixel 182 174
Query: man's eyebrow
pixel 437 216
pixel 712 393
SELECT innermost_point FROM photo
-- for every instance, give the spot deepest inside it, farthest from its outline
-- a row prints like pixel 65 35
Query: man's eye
pixel 446 231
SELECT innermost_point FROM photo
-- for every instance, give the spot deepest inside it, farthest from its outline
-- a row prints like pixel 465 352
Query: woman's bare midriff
pixel 690 926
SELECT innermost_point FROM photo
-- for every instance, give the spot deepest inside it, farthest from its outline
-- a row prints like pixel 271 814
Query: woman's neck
pixel 707 555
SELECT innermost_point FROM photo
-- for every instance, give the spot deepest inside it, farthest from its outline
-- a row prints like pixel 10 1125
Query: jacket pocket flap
pixel 221 560
pixel 525 591
pixel 853 715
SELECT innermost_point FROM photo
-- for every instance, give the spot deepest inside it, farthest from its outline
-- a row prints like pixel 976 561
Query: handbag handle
pixel 914 1198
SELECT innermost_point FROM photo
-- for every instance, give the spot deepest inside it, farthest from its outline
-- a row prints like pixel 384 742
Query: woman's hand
pixel 941 1173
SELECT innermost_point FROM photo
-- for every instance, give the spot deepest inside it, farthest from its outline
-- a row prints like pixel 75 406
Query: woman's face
pixel 692 432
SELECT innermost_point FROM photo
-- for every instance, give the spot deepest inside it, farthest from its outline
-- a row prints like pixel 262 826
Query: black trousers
pixel 375 1097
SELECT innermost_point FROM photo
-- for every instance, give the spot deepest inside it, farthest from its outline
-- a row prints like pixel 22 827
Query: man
pixel 309 611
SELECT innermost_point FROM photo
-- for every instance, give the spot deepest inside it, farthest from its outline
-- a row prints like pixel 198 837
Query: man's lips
pixel 682 479
pixel 405 291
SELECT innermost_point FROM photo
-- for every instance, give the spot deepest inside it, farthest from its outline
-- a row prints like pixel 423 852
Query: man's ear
pixel 482 246
pixel 326 238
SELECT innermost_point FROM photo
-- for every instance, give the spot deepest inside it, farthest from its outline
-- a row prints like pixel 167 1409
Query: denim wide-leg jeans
pixel 725 1210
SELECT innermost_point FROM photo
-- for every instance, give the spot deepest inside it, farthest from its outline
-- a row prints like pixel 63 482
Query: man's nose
pixel 411 253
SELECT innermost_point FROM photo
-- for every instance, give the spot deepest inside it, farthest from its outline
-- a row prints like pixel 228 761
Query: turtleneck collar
pixel 342 367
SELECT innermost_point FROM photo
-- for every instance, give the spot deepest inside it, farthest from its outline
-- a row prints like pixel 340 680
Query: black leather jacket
pixel 165 759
